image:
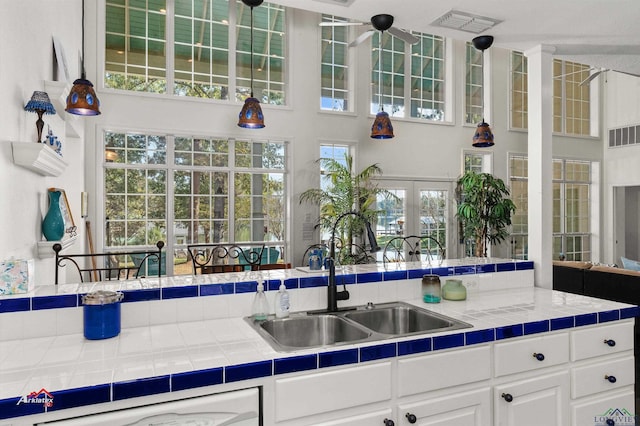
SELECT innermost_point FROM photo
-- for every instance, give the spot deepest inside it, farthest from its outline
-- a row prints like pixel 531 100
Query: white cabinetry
pixel 542 400
pixel 572 377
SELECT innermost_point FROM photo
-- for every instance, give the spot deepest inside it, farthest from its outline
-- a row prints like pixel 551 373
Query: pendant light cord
pixel 251 43
pixel 83 73
pixel 482 94
pixel 380 72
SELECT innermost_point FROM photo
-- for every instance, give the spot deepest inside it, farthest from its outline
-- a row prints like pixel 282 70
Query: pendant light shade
pixel 382 128
pixel 82 99
pixel 251 116
pixel 483 137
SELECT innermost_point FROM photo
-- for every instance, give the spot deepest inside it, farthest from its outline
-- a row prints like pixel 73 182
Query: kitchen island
pixel 192 340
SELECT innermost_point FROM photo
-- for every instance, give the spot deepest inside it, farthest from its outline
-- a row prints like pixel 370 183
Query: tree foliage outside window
pixel 222 190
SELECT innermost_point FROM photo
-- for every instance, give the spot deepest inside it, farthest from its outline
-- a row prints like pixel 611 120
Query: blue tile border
pixel 294 364
pixel 536 327
pixel 371 353
pixel 54 302
pixel 509 331
pixel 253 370
pixel 562 323
pixel 414 346
pixel 197 379
pixel 180 292
pixel 479 336
pixel 15 305
pixel 335 358
pixel 216 289
pixel 78 397
pixel 141 387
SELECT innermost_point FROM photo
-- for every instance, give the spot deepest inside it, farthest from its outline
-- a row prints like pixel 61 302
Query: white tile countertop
pixel 183 339
pixel 71 362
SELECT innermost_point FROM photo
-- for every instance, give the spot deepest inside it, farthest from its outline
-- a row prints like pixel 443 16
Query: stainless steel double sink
pixel 315 329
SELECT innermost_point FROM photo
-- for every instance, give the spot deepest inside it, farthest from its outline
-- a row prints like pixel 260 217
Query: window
pixel 571 114
pixel 571 100
pixel 139 36
pixel 424 87
pixel 571 208
pixel 479 162
pixel 519 90
pixel 221 190
pixel 334 75
pixel 474 90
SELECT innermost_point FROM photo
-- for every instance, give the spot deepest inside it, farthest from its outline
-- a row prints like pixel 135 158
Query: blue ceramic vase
pixel 53 223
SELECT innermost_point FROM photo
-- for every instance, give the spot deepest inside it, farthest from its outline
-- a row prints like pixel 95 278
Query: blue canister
pixel 315 260
pixel 101 310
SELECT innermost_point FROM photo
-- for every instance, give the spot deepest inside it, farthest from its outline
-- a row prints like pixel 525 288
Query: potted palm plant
pixel 346 191
pixel 484 210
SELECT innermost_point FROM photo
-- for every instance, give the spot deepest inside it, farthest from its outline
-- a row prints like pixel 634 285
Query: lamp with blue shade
pixel 40 104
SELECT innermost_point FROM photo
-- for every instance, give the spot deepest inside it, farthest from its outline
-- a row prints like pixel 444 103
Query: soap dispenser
pixel 260 307
pixel 282 302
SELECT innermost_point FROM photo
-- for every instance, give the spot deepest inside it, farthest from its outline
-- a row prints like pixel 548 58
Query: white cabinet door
pixel 370 419
pixel 617 406
pixel 470 408
pixel 533 402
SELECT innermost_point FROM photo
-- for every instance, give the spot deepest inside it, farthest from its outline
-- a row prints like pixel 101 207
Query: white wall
pixel 27 61
pixel 622 100
pixel 418 150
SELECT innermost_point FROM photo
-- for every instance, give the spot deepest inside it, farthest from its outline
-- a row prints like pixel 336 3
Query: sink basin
pixel 400 319
pixel 304 330
pixel 299 332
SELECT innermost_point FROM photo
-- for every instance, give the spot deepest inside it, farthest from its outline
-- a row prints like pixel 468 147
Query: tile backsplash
pixel 57 310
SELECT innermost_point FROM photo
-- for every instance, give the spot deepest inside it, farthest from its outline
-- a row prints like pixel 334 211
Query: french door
pixel 422 207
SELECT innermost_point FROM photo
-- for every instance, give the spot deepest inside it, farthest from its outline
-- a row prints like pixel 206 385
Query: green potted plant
pixel 484 210
pixel 346 191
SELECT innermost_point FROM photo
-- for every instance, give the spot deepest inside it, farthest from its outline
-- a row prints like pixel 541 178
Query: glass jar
pixel 431 289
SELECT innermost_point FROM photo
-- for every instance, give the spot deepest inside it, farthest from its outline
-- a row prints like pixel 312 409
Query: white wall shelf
pixel 45 248
pixel 38 157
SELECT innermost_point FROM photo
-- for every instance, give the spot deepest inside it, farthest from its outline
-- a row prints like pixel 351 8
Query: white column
pixel 540 108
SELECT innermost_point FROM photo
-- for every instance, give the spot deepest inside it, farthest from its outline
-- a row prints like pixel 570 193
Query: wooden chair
pixel 111 266
pixel 413 248
pixel 218 258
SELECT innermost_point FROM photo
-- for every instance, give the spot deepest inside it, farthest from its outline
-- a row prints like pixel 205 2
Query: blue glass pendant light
pixel 483 137
pixel 82 99
pixel 251 116
pixel 382 128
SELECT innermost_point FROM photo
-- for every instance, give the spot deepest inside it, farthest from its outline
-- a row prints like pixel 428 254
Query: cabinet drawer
pixel 531 353
pixel 597 341
pixel 617 406
pixel 332 390
pixel 598 377
pixel 442 370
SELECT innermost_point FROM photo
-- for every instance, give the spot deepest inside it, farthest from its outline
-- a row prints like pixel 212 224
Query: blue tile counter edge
pixel 146 386
pixel 22 303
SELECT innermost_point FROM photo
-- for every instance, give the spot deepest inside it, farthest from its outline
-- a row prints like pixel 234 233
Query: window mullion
pixel 170 47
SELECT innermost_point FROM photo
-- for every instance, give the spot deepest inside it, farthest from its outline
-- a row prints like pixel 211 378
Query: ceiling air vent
pixel 465 22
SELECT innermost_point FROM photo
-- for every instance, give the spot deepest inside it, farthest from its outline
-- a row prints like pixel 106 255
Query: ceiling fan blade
pixel 340 24
pixel 362 37
pixel 591 77
pixel 403 35
pixel 627 73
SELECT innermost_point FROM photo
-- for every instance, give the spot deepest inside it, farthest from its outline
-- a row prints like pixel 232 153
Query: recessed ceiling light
pixel 465 22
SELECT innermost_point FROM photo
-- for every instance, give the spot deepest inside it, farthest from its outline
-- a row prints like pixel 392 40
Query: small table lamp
pixel 40 104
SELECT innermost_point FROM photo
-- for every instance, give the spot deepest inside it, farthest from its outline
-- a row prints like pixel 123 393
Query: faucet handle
pixel 370 306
